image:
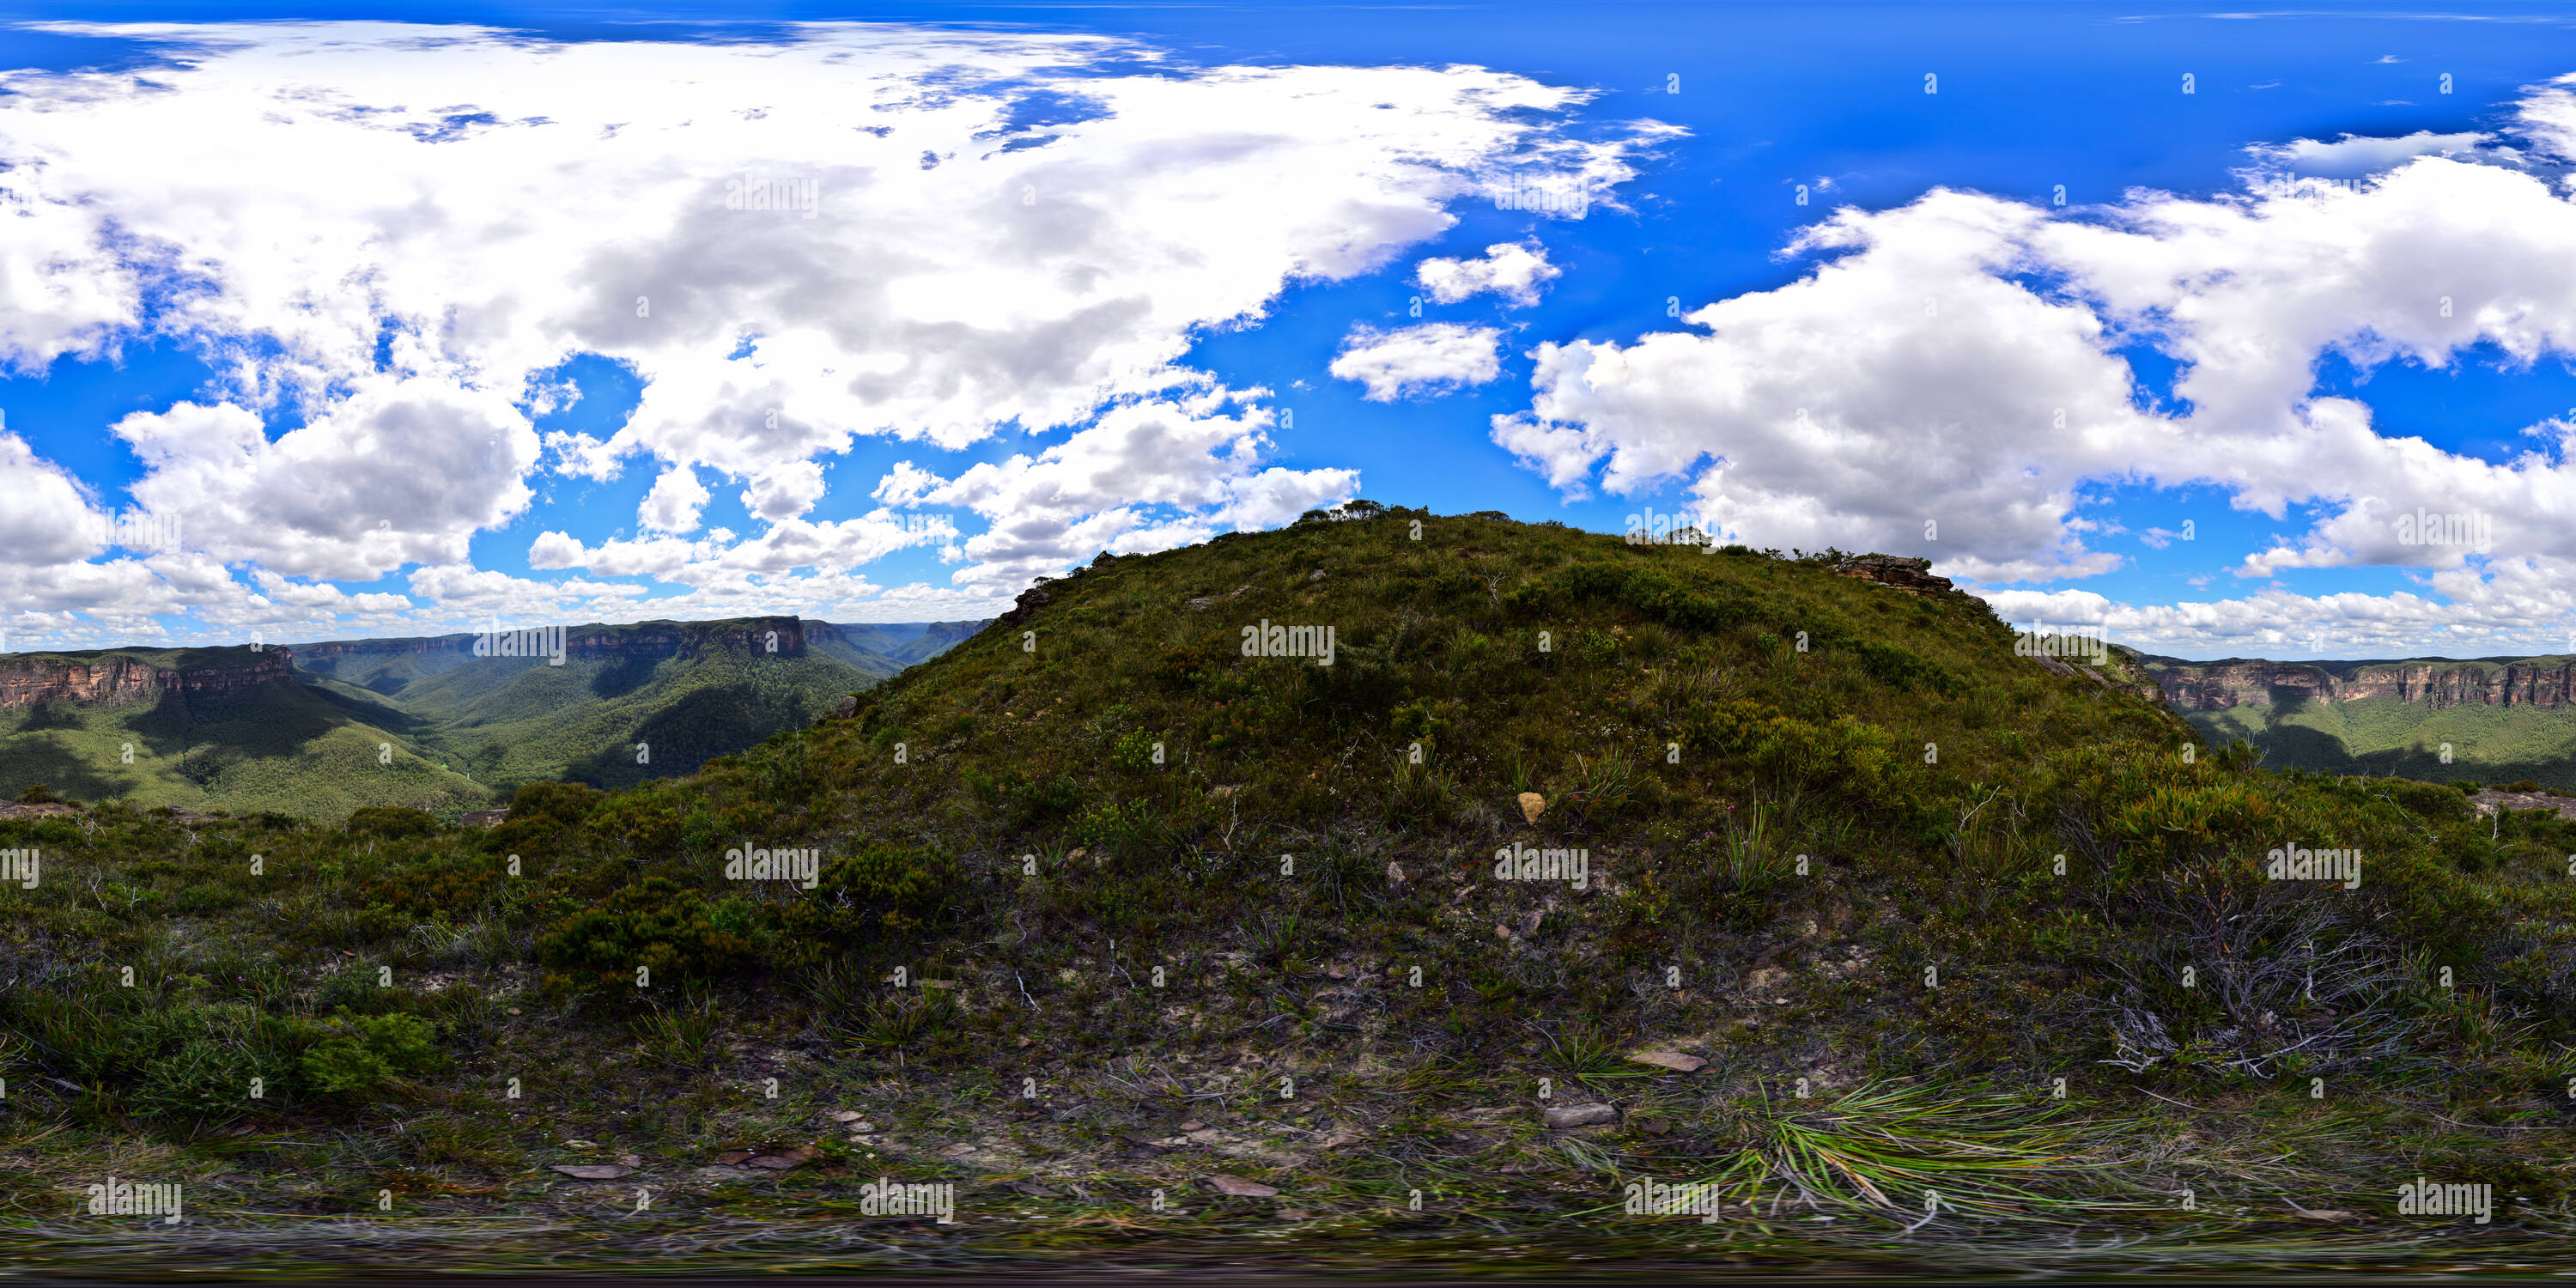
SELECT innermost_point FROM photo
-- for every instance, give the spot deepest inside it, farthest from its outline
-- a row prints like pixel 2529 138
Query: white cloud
pixel 1431 358
pixel 1511 270
pixel 292 195
pixel 1094 490
pixel 2354 155
pixel 675 501
pixel 1965 347
pixel 402 469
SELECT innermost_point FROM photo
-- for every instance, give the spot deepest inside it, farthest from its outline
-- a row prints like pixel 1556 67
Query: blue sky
pixel 355 369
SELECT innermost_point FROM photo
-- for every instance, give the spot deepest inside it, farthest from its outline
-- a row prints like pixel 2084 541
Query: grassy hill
pixel 1160 952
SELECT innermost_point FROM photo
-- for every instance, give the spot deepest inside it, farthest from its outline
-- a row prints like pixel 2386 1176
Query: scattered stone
pixel 1532 805
pixel 848 1116
pixel 958 1150
pixel 1673 1060
pixel 1204 602
pixel 2323 1214
pixel 1241 1188
pixel 1564 1117
pixel 482 817
pixel 732 1157
pixel 847 707
pixel 592 1171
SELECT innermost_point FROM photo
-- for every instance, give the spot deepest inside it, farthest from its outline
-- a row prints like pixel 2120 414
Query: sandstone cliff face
pixel 113 679
pixel 2215 686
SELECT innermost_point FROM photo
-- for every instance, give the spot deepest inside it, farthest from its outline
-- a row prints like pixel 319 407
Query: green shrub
pixel 368 1055
pixel 393 822
pixel 883 888
pixel 654 924
pixel 206 1078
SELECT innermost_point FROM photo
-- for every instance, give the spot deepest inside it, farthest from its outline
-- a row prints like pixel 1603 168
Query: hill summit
pixel 1411 874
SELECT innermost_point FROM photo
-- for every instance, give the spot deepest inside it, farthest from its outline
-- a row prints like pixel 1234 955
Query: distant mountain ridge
pixel 327 726
pixel 2436 719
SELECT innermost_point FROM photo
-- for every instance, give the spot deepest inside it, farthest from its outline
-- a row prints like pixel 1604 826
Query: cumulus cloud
pixel 1514 271
pixel 1432 358
pixel 397 232
pixel 675 501
pixel 402 469
pixel 1953 377
pixel 1097 489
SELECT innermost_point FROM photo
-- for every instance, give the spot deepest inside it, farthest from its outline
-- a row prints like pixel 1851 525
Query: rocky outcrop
pixel 1026 606
pixel 2435 682
pixel 1895 570
pixel 2489 801
pixel 114 678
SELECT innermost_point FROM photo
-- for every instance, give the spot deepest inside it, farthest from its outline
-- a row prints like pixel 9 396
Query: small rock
pixel 732 1157
pixel 1563 1117
pixel 592 1171
pixel 1532 805
pixel 848 1116
pixel 1242 1188
pixel 631 1160
pixel 1336 972
pixel 1650 1126
pixel 958 1150
pixel 1192 1124
pixel 514 1010
pixel 1673 1060
pixel 2323 1214
pixel 1531 919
